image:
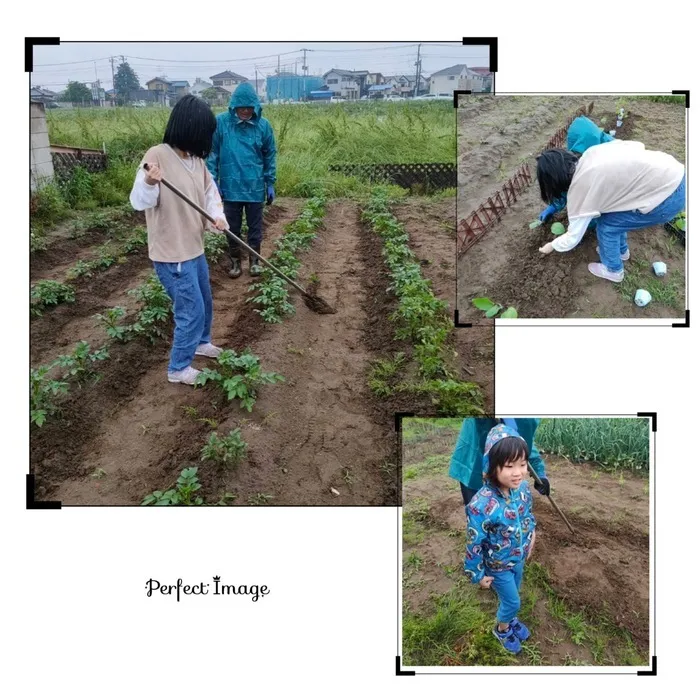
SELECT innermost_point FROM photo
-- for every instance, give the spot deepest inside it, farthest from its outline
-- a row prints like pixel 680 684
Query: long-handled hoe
pixel 551 500
pixel 315 303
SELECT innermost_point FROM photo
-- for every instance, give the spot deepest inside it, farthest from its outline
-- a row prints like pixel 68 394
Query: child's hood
pixel 496 434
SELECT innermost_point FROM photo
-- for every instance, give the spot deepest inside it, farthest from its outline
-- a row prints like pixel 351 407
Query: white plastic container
pixel 612 132
pixel 659 268
pixel 642 297
pixel 619 123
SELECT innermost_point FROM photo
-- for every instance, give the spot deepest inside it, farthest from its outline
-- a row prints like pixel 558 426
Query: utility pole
pixel 418 72
pixel 256 81
pixel 305 68
pixel 111 60
pixel 278 77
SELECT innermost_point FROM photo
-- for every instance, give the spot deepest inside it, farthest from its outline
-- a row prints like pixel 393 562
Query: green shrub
pixel 228 450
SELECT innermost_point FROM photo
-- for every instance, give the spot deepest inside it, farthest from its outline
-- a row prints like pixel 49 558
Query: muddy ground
pixel 506 266
pixel 319 438
pixel 602 571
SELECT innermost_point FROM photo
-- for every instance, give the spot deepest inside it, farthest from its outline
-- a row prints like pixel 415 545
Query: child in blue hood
pixel 581 135
pixel 501 530
pixel 243 165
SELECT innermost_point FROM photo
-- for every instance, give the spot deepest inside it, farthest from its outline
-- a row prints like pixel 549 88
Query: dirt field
pixel 495 136
pixel 585 597
pixel 318 432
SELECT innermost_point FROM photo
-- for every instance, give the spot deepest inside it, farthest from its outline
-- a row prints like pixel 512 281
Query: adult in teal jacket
pixel 581 135
pixel 467 459
pixel 243 163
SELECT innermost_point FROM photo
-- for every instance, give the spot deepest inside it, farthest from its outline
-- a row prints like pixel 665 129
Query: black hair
pixel 555 170
pixel 505 451
pixel 191 126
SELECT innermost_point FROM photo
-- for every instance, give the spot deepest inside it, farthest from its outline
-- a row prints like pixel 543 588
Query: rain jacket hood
pixel 496 434
pixel 583 133
pixel 499 528
pixel 245 96
pixel 243 158
pixel 466 464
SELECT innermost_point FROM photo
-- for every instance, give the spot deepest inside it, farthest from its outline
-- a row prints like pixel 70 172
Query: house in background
pixel 487 75
pixel 402 85
pixel 39 94
pixel 180 88
pixel 227 80
pixel 375 79
pixel 159 84
pixel 199 86
pixel 457 77
pixel 350 84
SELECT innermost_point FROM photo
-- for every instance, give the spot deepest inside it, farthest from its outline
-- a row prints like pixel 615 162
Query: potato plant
pixel 492 309
pixel 49 293
pixel 239 376
pixel 183 494
pixel 272 295
pixel 43 391
pixel 78 365
pixel 228 450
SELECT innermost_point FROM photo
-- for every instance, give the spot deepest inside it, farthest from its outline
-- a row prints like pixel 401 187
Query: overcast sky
pixel 54 66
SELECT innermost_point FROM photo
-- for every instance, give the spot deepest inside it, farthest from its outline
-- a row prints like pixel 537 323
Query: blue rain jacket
pixel 467 458
pixel 243 158
pixel 499 530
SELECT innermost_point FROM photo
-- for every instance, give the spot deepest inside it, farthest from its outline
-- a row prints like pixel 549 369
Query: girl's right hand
pixel 486 582
pixel 153 174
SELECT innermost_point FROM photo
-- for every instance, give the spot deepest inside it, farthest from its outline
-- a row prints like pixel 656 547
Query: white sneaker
pixel 624 257
pixel 599 270
pixel 184 376
pixel 208 350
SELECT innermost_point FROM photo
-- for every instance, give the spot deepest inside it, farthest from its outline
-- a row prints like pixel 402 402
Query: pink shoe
pixel 208 350
pixel 624 257
pixel 184 376
pixel 599 270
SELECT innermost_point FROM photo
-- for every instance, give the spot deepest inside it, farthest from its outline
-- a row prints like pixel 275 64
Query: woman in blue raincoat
pixel 243 163
pixel 467 458
pixel 581 135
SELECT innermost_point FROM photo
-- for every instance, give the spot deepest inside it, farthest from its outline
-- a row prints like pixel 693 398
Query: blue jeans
pixel 187 284
pixel 612 228
pixel 507 585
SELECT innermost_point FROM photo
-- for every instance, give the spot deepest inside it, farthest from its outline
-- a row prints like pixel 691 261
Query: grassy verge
pixel 667 290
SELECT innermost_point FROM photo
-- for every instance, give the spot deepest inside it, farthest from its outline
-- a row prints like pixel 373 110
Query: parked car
pixel 394 98
pixel 51 105
pixel 337 98
pixel 444 96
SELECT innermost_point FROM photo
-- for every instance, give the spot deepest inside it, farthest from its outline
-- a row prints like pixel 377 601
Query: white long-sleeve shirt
pixel 144 196
pixel 569 240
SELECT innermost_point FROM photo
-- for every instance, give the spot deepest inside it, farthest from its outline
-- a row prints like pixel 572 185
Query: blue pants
pixel 187 284
pixel 507 585
pixel 253 218
pixel 612 228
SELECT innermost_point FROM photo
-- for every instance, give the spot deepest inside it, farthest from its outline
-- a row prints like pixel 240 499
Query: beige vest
pixel 175 229
pixel 622 176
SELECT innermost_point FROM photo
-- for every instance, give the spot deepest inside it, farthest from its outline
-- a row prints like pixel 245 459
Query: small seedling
pixel 191 412
pixel 98 473
pixel 223 501
pixel 228 450
pixel 184 493
pixel 260 499
pixel 43 390
pixel 491 308
pixel 348 478
pixel 558 228
pixel 110 321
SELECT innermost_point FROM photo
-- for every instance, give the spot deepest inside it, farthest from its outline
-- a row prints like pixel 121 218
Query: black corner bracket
pixel 399 672
pixel 30 42
pixel 32 503
pixel 651 415
pixel 648 673
pixel 686 323
pixel 683 92
pixel 398 417
pixel 491 42
pixel 458 324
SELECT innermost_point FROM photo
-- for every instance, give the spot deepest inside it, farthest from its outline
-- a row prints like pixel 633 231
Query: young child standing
pixel 501 530
pixel 176 230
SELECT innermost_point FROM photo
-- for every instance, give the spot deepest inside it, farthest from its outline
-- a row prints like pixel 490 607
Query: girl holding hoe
pixel 501 530
pixel 622 185
pixel 176 230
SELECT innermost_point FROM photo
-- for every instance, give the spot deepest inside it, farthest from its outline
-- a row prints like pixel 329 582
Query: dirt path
pixel 431 228
pixel 318 431
pixel 132 429
pixel 602 570
pixel 506 265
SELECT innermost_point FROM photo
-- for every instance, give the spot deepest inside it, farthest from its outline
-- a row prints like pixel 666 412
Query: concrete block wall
pixel 41 161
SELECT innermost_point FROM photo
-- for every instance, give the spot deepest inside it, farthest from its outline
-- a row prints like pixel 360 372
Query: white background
pixel 76 621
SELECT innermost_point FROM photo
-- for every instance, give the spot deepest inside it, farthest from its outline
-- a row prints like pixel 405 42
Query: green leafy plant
pixel 382 371
pixel 43 390
pixel 228 450
pixel 109 320
pixel 183 494
pixel 154 311
pixel 80 269
pixel 272 295
pixel 49 293
pixel 491 308
pixel 135 241
pixel 37 238
pixel 239 376
pixel 214 246
pixel 558 228
pixel 79 364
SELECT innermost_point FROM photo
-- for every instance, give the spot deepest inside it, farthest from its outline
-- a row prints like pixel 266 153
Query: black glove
pixel 543 487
